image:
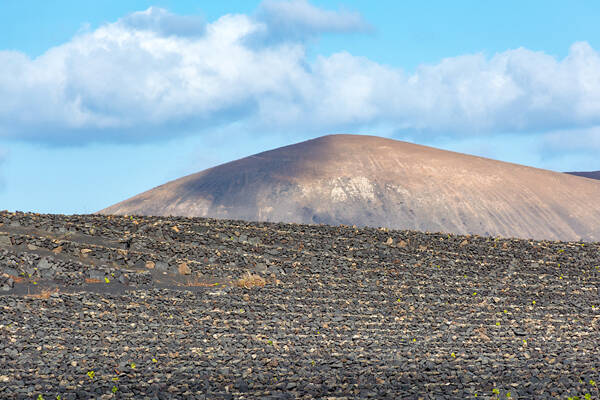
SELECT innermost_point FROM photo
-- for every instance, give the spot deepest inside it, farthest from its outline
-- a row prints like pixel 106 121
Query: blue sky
pixel 102 100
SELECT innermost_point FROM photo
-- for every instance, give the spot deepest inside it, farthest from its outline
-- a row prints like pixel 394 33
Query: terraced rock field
pixel 153 307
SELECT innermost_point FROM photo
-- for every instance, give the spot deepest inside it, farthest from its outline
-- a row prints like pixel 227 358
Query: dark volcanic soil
pixel 140 307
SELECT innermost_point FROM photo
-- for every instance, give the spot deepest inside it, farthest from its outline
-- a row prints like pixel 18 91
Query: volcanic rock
pixel 346 314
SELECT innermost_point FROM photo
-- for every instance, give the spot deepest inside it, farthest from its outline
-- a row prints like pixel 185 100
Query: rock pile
pixel 147 307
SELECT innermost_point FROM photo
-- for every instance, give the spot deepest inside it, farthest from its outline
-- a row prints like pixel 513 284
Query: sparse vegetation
pixel 249 280
pixel 44 294
pixel 197 281
pixel 17 279
pixel 370 297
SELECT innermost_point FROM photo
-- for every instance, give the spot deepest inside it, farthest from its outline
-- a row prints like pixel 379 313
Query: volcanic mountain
pixel 372 181
pixel 590 174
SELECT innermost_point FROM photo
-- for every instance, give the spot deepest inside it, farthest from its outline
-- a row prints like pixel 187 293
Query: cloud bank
pixel 153 75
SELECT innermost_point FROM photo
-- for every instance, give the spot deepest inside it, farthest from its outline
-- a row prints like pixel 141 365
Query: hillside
pixel 371 181
pixel 152 307
pixel 590 174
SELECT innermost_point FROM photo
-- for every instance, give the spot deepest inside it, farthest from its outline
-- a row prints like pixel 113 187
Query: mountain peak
pixel 374 181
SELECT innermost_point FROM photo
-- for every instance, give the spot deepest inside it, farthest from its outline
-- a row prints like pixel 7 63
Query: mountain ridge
pixel 586 174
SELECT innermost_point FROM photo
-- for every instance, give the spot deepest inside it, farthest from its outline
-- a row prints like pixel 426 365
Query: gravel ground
pixel 147 307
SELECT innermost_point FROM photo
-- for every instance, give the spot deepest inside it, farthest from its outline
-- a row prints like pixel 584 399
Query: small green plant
pixel 91 374
pixel 508 394
pixel 40 397
pixel 453 355
pixel 592 382
pixel 154 360
pixel 106 280
pixel 495 391
pixel 114 389
pixel 132 365
pixel 587 396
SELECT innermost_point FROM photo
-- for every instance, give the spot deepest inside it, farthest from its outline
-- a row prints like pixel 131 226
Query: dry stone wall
pixel 153 307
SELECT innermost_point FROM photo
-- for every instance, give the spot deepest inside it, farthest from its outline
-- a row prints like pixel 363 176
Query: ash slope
pixel 345 313
pixel 371 181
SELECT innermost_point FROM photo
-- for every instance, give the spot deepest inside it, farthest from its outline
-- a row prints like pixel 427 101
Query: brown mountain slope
pixel 590 174
pixel 366 180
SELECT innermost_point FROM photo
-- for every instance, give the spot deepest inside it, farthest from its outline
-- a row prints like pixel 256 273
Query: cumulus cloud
pixel 165 23
pixel 153 75
pixel 299 18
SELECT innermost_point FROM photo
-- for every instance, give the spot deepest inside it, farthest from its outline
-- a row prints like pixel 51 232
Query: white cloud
pixel 150 76
pixel 165 23
pixel 298 18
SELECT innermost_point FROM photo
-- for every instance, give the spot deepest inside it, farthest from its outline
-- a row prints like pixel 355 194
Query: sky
pixel 100 101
